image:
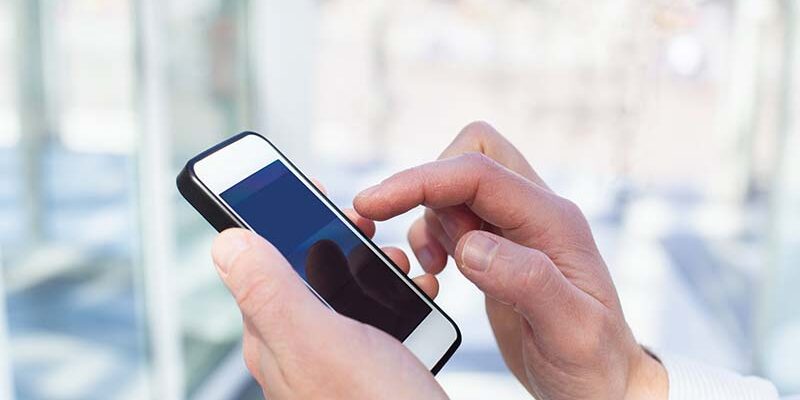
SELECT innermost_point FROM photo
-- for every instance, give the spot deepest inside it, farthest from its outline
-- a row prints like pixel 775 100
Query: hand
pixel 549 296
pixel 295 347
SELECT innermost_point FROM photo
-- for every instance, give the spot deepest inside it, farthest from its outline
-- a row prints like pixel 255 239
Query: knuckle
pixel 572 214
pixel 478 130
pixel 537 276
pixel 579 230
pixel 570 208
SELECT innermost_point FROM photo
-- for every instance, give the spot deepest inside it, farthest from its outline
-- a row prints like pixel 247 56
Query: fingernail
pixel 369 191
pixel 226 250
pixel 478 251
pixel 425 256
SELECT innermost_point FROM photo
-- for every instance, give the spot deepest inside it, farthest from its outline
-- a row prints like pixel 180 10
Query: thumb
pixel 270 295
pixel 516 275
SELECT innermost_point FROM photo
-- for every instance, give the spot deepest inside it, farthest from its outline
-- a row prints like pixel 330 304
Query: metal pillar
pixel 283 36
pixel 738 114
pixel 156 220
pixel 35 118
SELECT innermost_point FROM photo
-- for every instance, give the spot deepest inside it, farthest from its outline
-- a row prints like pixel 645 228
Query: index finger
pixel 481 137
pixel 497 195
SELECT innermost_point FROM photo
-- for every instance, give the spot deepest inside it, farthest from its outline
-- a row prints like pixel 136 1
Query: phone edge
pixel 200 197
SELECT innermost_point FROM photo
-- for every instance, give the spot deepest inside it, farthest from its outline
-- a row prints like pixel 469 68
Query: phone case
pixel 201 198
pixel 218 215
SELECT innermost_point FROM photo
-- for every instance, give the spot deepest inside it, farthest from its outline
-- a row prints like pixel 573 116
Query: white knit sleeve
pixel 690 380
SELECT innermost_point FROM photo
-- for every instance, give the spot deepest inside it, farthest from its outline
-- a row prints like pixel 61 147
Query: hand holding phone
pixel 246 182
pixel 295 347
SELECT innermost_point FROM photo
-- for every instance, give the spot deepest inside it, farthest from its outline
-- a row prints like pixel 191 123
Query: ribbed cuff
pixel 690 380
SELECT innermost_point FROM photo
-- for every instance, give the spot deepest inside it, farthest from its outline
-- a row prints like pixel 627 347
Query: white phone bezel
pixel 431 339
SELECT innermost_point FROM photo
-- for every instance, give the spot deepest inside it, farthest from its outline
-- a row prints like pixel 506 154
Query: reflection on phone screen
pixel 325 252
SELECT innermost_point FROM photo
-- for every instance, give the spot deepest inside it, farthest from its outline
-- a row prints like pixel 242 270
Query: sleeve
pixel 689 380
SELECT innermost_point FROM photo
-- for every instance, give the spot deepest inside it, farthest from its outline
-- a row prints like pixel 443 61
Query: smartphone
pixel 247 182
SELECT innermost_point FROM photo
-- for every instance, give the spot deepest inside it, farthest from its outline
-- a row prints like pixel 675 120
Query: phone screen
pixel 325 252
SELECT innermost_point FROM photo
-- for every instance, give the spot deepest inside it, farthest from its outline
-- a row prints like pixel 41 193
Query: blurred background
pixel 675 125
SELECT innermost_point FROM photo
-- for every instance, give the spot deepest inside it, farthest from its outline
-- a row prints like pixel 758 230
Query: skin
pixel 549 297
pixel 284 349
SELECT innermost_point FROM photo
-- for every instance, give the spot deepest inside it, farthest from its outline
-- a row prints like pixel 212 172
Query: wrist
pixel 647 377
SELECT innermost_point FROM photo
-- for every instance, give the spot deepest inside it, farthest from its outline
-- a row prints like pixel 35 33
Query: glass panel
pixel 208 100
pixel 72 283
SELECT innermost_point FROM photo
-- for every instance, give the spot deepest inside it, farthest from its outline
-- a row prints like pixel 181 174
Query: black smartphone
pixel 247 182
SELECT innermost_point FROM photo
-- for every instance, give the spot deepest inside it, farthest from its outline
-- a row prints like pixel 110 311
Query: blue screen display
pixel 324 251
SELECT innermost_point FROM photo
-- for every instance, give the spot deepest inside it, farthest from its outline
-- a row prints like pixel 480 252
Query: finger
pixel 365 225
pixel 521 277
pixel 505 323
pixel 429 284
pixel 481 137
pixel 476 181
pixel 430 253
pixel 319 186
pixel 267 290
pixel 399 258
pixel 435 228
pixel 456 221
